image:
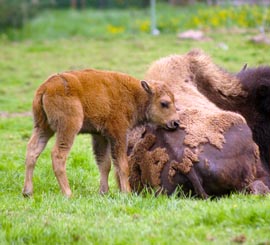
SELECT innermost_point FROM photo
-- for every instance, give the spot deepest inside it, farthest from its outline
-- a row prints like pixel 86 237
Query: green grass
pixel 88 218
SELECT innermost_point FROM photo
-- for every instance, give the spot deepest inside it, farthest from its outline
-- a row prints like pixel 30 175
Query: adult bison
pixel 212 152
pixel 103 103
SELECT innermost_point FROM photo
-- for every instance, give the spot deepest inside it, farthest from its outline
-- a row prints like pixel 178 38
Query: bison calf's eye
pixel 164 104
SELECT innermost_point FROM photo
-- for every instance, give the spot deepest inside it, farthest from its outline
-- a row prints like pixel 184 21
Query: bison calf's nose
pixel 174 124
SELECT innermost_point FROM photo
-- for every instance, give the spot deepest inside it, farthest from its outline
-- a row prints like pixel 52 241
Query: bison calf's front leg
pixel 120 161
pixel 101 149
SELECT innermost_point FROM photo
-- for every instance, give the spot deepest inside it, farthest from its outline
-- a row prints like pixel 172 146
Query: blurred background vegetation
pixel 35 19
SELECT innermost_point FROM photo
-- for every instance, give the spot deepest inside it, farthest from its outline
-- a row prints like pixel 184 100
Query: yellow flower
pixel 144 26
pixel 223 14
pixel 215 21
pixel 196 21
pixel 115 29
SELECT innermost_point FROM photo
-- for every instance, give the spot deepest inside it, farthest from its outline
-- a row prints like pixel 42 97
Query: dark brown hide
pixel 213 171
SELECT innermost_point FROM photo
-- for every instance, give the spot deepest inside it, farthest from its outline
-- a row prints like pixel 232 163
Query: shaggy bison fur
pixel 212 152
pixel 102 103
pixel 247 93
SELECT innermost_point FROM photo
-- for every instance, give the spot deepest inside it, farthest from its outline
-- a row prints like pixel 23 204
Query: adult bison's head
pixel 257 82
pixel 161 110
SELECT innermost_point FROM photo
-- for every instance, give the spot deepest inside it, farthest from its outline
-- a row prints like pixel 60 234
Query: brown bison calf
pixel 105 104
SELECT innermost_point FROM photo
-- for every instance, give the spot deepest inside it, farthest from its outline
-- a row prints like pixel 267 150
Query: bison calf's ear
pixel 146 87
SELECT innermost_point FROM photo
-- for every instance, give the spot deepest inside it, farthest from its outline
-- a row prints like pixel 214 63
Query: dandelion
pixel 145 26
pixel 215 21
pixel 115 29
pixel 196 21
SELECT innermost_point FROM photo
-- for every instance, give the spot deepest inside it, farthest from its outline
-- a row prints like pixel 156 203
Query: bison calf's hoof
pixel 103 190
pixel 27 194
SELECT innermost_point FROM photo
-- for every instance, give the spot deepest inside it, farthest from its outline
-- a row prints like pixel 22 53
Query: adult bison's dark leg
pixel 258 187
pixel 101 149
pixel 193 178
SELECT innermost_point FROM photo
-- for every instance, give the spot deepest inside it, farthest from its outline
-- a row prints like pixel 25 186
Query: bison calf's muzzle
pixel 172 125
pixel 102 103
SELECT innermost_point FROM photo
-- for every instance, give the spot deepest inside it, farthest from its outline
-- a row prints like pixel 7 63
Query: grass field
pixel 87 218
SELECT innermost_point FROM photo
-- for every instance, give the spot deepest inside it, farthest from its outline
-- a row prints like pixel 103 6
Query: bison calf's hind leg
pixel 35 146
pixel 101 149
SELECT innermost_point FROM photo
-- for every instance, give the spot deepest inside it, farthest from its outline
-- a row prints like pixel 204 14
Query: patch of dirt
pixel 210 238
pixel 4 114
pixel 261 39
pixel 193 35
pixel 239 239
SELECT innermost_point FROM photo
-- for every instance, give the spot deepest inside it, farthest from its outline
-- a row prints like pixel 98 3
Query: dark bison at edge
pixel 255 107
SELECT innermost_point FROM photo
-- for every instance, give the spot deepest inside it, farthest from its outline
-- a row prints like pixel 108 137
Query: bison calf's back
pixel 102 103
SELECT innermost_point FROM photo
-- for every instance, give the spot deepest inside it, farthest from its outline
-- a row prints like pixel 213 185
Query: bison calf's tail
pixel 40 118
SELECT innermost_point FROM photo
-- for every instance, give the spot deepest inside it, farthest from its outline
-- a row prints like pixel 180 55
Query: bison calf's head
pixel 161 110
